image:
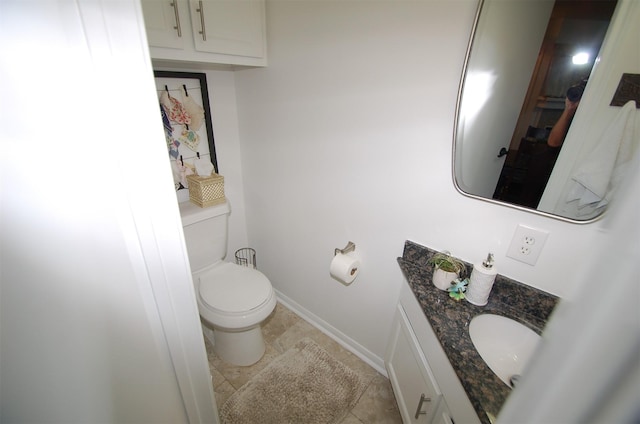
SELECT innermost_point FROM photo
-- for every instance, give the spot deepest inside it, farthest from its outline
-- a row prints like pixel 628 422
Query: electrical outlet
pixel 527 244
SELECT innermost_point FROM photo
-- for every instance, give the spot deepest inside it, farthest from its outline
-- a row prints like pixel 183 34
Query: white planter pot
pixel 442 279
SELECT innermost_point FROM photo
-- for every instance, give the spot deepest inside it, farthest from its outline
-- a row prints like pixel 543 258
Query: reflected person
pixel 544 160
pixel 561 127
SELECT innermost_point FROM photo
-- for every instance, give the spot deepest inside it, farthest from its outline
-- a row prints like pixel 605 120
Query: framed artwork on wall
pixel 186 115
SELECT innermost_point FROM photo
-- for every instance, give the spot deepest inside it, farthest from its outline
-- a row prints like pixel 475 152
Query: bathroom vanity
pixel 436 373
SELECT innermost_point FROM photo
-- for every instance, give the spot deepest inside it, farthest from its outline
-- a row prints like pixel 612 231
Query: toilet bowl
pixel 235 300
pixel 232 299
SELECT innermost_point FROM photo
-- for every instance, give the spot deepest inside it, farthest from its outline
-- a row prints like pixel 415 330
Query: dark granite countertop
pixel 450 321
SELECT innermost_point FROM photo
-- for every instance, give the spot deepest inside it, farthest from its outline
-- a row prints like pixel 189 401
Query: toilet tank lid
pixel 192 213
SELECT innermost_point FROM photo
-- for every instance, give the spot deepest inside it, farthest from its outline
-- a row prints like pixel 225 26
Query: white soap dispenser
pixel 481 281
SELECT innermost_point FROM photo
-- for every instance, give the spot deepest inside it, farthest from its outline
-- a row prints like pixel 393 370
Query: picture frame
pixel 186 113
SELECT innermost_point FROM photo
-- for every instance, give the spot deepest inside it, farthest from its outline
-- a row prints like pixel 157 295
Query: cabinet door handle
pixel 423 399
pixel 174 4
pixel 200 10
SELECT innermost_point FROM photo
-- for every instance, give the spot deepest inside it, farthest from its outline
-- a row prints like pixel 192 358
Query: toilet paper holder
pixel 349 248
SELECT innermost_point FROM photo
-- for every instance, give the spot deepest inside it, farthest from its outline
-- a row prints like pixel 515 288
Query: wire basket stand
pixel 246 257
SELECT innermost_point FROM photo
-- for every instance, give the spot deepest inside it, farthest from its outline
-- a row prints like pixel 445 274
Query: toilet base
pixel 239 348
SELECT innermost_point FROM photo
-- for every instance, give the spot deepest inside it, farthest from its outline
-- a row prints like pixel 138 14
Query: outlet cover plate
pixel 527 244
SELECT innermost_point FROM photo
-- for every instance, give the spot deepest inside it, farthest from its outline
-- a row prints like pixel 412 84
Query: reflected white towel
pixel 596 179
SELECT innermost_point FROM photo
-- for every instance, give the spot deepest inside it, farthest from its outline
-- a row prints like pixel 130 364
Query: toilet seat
pixel 233 289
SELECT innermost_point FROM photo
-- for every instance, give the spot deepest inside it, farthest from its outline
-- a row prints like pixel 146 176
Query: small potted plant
pixel 446 268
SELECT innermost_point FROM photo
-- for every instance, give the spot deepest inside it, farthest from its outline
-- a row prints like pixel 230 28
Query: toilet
pixel 232 299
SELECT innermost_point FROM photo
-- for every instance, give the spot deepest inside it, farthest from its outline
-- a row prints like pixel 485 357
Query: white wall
pixel 98 317
pixel 224 116
pixel 347 136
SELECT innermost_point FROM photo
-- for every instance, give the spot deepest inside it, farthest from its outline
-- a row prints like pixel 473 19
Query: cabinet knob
pixel 423 399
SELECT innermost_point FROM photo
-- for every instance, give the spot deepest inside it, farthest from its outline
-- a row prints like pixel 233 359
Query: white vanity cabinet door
pixel 454 398
pixel 411 378
pixel 230 27
pixel 165 22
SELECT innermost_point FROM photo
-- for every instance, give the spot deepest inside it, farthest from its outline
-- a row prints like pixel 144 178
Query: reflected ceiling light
pixel 581 58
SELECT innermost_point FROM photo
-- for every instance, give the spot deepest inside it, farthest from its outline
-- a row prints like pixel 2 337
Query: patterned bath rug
pixel 304 385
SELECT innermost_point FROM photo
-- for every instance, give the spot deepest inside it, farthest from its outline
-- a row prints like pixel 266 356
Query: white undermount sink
pixel 504 344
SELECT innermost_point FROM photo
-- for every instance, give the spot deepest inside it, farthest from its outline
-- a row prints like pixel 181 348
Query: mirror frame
pixel 455 136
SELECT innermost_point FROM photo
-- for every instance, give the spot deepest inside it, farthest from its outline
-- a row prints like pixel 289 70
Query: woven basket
pixel 206 191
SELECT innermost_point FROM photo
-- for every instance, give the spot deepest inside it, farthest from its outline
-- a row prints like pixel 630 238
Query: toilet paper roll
pixel 344 268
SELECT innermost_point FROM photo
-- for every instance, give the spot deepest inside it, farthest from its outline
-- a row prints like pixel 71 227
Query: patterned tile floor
pixel 282 330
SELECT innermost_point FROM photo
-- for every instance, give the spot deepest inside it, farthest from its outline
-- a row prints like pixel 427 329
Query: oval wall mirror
pixel 527 65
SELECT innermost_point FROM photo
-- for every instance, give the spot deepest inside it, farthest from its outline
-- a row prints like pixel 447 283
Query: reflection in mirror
pixel 529 61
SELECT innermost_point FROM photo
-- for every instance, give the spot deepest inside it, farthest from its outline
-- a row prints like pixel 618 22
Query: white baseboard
pixel 345 341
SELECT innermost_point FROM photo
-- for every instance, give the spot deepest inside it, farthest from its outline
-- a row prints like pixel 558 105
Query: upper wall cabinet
pixel 228 32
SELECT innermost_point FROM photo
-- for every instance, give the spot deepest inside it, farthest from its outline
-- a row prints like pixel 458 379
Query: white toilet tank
pixel 205 232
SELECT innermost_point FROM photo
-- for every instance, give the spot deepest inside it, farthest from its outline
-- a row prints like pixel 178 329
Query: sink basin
pixel 504 344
